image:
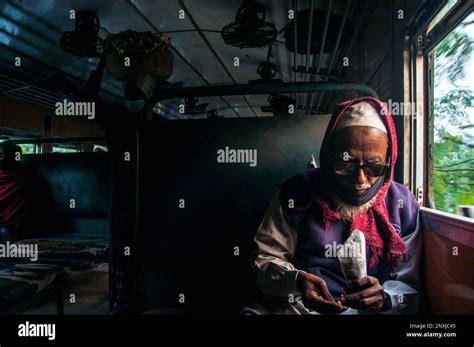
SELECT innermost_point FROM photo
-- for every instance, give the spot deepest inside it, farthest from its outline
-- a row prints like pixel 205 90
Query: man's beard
pixel 347 211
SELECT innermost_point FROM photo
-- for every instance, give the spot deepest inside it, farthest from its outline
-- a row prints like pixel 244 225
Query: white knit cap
pixel 361 114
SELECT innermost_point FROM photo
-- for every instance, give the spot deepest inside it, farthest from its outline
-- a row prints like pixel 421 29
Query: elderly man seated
pixel 352 190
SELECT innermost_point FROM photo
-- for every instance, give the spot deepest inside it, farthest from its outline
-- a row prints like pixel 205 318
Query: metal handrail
pixel 62 140
pixel 260 87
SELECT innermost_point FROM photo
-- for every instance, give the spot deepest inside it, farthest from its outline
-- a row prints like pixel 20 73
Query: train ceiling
pixel 31 29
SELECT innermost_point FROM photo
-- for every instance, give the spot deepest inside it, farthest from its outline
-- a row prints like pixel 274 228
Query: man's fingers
pixel 373 301
pixel 321 287
pixel 360 295
pixel 316 297
pixel 318 303
pixel 324 291
pixel 366 281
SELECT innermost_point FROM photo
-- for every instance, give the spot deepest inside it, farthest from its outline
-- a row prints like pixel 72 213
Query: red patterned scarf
pixel 14 196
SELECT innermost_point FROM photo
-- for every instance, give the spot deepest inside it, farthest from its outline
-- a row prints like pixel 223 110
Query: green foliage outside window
pixel 453 176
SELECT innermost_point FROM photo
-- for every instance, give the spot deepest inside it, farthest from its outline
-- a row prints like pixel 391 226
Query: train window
pixel 442 14
pixel 27 148
pixel 64 149
pixel 99 148
pixel 453 120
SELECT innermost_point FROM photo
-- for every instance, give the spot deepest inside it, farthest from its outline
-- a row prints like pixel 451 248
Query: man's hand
pixel 366 293
pixel 315 294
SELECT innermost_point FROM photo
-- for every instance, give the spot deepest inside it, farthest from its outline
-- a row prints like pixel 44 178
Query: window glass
pixel 453 175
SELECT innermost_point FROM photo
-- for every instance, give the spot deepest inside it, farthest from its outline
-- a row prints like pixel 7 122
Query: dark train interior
pixel 114 112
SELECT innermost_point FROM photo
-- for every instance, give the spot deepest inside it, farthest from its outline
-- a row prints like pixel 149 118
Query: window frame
pixel 419 88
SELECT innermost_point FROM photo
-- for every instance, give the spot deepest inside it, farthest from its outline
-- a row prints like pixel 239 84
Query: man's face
pixel 359 145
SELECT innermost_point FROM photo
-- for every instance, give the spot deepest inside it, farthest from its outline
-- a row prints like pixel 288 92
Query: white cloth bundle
pixel 352 257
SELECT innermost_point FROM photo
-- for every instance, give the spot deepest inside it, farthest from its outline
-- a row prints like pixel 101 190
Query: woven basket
pixel 158 64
